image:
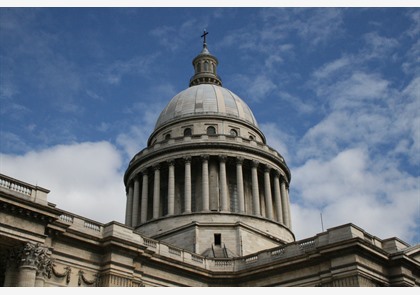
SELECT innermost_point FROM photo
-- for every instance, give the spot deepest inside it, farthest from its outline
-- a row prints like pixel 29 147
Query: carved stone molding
pixel 66 274
pixel 83 279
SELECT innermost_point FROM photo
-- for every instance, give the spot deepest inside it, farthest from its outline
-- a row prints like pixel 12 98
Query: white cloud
pixel 79 178
pixel 329 69
pixel 414 30
pixel 352 188
pixel 378 46
pixel 259 86
pixel 139 65
pixel 142 117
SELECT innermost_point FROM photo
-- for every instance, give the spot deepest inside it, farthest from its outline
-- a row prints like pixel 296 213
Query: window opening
pixel 233 132
pixel 218 239
pixel 187 132
pixel 211 130
pixel 167 136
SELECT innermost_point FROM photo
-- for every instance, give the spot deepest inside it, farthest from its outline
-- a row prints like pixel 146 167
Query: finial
pixel 205 33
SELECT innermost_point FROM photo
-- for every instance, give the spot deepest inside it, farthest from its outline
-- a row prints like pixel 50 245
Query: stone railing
pixel 20 188
pixel 283 252
pixel 81 223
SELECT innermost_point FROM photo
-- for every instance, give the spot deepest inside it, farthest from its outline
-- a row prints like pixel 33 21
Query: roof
pixel 206 99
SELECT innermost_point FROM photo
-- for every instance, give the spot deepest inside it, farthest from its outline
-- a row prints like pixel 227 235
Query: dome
pixel 206 99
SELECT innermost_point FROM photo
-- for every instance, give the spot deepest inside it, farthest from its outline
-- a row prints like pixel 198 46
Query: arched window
pixel 233 132
pixel 211 130
pixel 187 132
pixel 198 67
pixel 167 136
pixel 251 137
pixel 206 66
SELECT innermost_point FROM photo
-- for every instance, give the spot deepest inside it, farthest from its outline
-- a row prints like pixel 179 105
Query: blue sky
pixel 335 90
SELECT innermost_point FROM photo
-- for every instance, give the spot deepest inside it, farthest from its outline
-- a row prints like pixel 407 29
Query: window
pixel 217 239
pixel 167 136
pixel 251 137
pixel 187 132
pixel 211 130
pixel 233 132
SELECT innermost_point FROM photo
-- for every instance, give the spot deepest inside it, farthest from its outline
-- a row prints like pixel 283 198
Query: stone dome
pixel 206 99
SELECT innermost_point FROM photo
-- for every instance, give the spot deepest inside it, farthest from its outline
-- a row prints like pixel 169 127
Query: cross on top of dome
pixel 204 36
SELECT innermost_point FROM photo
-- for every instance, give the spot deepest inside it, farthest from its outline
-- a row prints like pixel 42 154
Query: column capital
pixel 284 179
pixel 187 159
pixel 37 256
pixel 222 158
pixel 171 162
pixel 267 168
pixel 205 157
pixel 156 167
pixel 239 160
pixel 277 173
pixel 144 171
pixel 255 163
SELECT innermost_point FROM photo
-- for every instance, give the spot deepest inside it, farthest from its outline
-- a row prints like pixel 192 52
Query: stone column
pixel 255 190
pixel 136 196
pixel 267 194
pixel 205 183
pixel 223 184
pixel 284 203
pixel 187 187
pixel 144 196
pixel 35 263
pixel 129 205
pixel 39 281
pixel 289 217
pixel 27 274
pixel 11 273
pixel 240 184
pixel 277 198
pixel 171 188
pixel 156 192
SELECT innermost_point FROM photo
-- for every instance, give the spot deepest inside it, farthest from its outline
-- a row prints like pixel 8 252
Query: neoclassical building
pixel 207 204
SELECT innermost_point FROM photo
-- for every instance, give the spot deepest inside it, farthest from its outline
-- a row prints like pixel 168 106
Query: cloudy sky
pixel 335 90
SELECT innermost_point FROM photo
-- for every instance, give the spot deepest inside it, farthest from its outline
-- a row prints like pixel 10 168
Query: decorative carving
pixel 239 160
pixel 66 273
pixel 36 256
pixel 83 279
pixel 44 267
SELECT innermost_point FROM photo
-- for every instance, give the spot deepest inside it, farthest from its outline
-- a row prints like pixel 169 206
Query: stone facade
pixel 207 205
pixel 41 245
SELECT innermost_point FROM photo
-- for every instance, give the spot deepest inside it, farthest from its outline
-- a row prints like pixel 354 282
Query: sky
pixel 335 90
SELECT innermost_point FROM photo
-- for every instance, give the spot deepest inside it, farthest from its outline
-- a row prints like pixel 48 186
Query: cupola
pixel 205 67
